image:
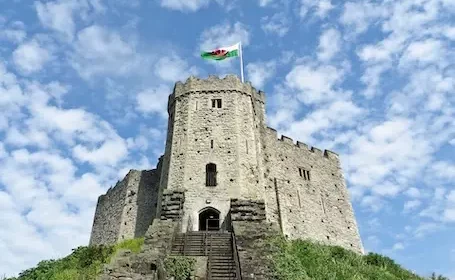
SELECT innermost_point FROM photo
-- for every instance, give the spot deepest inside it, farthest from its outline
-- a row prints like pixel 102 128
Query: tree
pixel 439 277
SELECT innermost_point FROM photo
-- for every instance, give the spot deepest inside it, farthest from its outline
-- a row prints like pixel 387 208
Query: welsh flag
pixel 222 53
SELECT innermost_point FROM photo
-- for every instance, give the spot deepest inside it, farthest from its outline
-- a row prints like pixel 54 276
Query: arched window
pixel 210 175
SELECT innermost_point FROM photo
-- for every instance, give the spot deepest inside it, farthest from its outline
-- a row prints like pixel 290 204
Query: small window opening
pixel 328 237
pixel 210 172
pixel 216 103
pixel 211 144
pixel 305 174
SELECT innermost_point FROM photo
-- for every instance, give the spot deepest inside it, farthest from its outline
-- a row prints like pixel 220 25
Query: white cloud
pixel 154 100
pixel 449 32
pixel 59 15
pixel 264 3
pixel 109 153
pixel 173 69
pixel 426 51
pixel 320 7
pixel 335 115
pixel 99 51
pixel 373 203
pixel 14 31
pixel 359 15
pixel 184 5
pixel 393 148
pixel 315 84
pixel 386 189
pixel 411 205
pixel 398 246
pixel 443 170
pixel 278 24
pixel 30 57
pixel 259 72
pixel 329 44
pixel 30 137
pixel 426 228
pixel 413 192
pixel 223 35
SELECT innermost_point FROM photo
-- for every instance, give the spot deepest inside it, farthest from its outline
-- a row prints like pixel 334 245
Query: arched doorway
pixel 209 219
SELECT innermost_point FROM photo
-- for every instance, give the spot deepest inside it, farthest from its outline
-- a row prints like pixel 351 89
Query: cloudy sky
pixel 84 86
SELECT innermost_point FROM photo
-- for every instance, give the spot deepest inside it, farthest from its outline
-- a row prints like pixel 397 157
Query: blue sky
pixel 84 86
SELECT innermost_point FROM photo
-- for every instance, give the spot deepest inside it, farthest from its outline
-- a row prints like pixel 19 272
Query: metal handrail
pixel 238 272
pixel 209 260
pixel 184 243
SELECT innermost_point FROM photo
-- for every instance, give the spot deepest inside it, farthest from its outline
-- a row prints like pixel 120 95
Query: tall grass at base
pixel 301 260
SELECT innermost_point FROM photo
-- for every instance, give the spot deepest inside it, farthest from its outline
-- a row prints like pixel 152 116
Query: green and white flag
pixel 222 53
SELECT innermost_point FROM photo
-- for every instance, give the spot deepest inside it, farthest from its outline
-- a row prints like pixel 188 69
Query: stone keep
pixel 220 152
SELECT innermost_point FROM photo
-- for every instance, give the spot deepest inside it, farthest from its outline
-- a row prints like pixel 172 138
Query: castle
pixel 222 163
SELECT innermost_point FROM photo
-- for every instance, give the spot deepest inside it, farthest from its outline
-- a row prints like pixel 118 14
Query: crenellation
pixel 286 139
pixel 303 145
pixel 316 151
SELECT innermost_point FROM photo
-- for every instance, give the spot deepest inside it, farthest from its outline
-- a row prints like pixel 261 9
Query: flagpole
pixel 241 62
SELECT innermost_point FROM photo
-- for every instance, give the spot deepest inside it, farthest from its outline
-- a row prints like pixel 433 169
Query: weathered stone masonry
pixel 127 210
pixel 299 190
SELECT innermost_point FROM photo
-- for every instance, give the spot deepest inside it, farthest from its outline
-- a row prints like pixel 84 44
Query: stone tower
pixel 223 164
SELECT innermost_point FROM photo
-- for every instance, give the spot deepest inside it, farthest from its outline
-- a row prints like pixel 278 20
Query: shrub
pixel 179 267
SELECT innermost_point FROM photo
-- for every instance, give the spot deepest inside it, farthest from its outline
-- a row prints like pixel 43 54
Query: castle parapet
pixel 289 141
pixel 229 83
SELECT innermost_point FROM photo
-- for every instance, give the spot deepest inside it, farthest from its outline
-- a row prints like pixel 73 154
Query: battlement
pixel 229 83
pixel 289 141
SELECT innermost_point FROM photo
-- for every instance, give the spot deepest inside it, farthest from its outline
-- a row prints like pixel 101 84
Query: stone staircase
pixel 217 246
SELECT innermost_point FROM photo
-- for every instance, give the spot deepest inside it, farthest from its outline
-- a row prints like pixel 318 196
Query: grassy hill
pixel 292 260
pixel 84 263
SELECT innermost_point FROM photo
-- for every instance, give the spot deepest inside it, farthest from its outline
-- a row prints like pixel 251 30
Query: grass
pixel 301 260
pixel 291 260
pixel 84 263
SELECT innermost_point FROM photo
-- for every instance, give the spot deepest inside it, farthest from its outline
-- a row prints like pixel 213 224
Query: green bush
pixel 179 267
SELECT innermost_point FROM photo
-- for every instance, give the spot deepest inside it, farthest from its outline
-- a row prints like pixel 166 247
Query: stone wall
pixel 172 205
pixel 247 210
pixel 226 136
pixel 253 252
pixel 108 215
pixel 127 210
pixel 311 199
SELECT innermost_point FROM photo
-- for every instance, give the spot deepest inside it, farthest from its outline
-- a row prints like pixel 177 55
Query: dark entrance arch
pixel 209 219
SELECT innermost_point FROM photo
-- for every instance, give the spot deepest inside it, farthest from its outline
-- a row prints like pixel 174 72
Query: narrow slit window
pixel 210 173
pixel 216 103
pixel 211 144
pixel 305 174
